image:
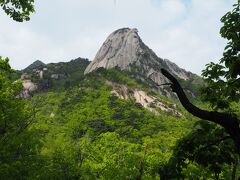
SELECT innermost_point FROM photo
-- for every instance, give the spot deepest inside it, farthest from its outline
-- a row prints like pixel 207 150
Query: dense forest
pixel 75 127
pixel 85 132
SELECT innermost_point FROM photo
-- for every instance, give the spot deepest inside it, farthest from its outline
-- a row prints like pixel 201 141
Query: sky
pixel 184 31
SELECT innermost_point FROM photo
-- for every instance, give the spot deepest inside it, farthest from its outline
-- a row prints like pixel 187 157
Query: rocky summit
pixel 124 49
pixel 121 49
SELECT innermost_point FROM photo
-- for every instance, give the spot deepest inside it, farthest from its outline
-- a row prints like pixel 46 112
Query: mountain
pixel 125 50
pixel 121 48
pixel 35 64
pixel 52 76
pixel 109 123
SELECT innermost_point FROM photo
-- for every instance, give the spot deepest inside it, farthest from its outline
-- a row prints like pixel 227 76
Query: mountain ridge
pixel 124 49
pixel 35 64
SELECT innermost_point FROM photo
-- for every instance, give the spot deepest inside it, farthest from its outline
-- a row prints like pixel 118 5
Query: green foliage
pixel 208 151
pixel 4 65
pixel 192 86
pixel 223 78
pixel 18 10
pixel 17 142
pixel 85 132
pixel 115 75
pixel 211 153
pixel 72 70
pixel 10 104
pixel 70 74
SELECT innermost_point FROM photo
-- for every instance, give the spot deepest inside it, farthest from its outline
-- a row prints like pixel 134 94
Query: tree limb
pixel 226 120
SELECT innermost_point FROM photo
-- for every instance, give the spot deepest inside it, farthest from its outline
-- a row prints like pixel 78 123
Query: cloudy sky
pixel 183 31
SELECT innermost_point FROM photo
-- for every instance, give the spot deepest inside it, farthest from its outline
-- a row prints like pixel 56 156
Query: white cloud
pixel 184 31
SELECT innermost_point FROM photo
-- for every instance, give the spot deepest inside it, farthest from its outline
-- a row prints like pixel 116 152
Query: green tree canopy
pixel 223 78
pixel 222 88
pixel 18 10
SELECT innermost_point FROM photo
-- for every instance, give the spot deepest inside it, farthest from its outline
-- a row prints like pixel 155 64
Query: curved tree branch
pixel 226 120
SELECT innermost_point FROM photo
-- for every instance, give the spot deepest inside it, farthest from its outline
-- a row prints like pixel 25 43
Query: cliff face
pixel 124 49
pixel 121 49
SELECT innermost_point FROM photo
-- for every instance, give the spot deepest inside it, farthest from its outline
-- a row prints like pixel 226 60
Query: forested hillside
pixel 87 132
pixel 127 114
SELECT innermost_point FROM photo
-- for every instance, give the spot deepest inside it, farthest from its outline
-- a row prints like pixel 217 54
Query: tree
pixel 16 154
pixel 15 115
pixel 222 80
pixel 211 156
pixel 18 10
pixel 222 84
pixel 9 104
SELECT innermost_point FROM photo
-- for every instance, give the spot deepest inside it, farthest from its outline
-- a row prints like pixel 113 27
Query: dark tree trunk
pixel 226 120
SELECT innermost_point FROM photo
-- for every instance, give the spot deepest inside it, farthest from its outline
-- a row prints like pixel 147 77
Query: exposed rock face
pixel 152 103
pixel 124 49
pixel 120 49
pixel 58 76
pixel 28 88
pixel 181 73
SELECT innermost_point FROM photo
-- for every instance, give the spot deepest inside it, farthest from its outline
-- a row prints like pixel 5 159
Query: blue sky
pixel 183 31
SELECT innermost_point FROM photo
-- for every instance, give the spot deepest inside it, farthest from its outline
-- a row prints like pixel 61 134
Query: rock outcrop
pixel 28 86
pixel 150 102
pixel 121 49
pixel 124 49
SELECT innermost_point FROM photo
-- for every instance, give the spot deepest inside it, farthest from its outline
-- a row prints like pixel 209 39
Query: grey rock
pixel 58 76
pixel 120 49
pixel 124 49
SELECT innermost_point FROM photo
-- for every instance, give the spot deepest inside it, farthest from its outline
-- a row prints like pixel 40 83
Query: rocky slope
pixel 125 49
pixel 150 102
